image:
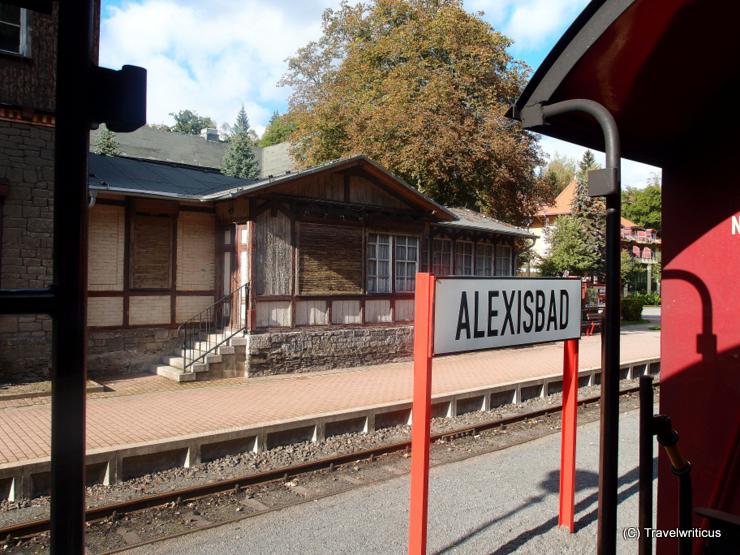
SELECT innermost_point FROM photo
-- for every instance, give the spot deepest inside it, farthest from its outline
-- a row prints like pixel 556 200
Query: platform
pixel 157 423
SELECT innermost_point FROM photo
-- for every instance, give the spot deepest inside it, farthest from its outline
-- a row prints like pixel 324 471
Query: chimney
pixel 210 134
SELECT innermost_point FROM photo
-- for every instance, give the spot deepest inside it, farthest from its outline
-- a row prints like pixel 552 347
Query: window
pixel 407 257
pixel 378 263
pixel 464 258
pixel 441 257
pixel 13 30
pixel 151 252
pixel 503 260
pixel 483 259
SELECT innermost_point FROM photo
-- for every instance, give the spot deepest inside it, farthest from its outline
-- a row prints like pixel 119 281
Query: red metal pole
pixel 568 441
pixel 421 412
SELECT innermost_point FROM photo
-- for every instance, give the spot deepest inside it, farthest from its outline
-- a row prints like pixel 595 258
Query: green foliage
pixel 278 130
pixel 569 252
pixel 422 87
pixel 631 309
pixel 648 299
pixel 189 122
pixel 643 206
pixel 559 172
pixel 106 143
pixel 239 158
pixel 630 268
pixel 160 127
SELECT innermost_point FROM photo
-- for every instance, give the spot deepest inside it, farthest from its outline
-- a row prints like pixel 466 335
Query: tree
pixel 160 127
pixel 239 158
pixel 569 252
pixel 421 86
pixel 590 213
pixel 189 122
pixel 106 143
pixel 630 268
pixel 643 206
pixel 278 130
pixel 559 172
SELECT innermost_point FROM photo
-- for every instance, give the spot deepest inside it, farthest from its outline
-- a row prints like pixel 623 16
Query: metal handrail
pixel 205 332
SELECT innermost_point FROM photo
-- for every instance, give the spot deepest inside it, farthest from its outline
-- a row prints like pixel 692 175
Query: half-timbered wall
pixel 150 263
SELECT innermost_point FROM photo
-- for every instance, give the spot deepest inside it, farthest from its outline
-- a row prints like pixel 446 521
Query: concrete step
pixel 175 374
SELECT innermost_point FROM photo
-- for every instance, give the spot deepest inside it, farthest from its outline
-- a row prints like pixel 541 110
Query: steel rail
pixel 30 528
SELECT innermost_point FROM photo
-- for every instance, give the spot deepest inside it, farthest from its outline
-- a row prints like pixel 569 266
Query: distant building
pixel 204 150
pixel 641 243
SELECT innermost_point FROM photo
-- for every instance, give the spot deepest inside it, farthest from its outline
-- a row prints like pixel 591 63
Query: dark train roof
pixel 665 70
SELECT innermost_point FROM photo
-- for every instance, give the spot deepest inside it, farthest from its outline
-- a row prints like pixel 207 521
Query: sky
pixel 215 56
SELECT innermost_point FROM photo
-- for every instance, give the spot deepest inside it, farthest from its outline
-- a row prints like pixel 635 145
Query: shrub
pixel 652 299
pixel 647 298
pixel 631 308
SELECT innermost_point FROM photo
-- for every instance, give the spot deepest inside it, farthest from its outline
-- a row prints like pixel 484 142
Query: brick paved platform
pixel 151 410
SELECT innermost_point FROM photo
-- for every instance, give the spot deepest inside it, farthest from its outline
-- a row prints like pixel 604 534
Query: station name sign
pixel 472 314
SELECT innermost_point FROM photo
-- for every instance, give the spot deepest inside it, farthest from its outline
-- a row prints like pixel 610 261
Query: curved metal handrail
pixel 205 332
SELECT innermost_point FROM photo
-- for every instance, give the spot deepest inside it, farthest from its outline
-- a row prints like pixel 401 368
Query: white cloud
pixel 530 23
pixel 634 174
pixel 210 56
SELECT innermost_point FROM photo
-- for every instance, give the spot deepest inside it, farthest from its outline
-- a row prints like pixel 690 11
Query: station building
pixel 316 267
pixel 329 253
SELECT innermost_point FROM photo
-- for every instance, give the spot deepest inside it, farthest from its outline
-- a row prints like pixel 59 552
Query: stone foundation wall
pixel 284 352
pixel 26 181
pixel 128 351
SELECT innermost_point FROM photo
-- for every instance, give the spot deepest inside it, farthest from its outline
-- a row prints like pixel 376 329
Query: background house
pixel 204 150
pixel 642 244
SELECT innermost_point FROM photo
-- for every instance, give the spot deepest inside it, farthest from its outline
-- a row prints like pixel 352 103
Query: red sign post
pixel 424 334
pixel 421 412
pixel 568 436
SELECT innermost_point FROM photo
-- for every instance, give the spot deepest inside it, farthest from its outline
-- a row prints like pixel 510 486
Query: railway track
pixel 25 530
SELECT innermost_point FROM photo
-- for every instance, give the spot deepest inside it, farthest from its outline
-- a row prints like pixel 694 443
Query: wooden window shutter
pixel 330 260
pixel 151 252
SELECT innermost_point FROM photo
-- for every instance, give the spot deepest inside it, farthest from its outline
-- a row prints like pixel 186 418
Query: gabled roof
pixel 470 219
pixel 629 223
pixel 562 203
pixel 179 181
pixel 148 143
pixel 154 178
pixel 395 183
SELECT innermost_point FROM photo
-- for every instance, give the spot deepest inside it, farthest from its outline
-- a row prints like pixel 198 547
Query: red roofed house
pixel 641 243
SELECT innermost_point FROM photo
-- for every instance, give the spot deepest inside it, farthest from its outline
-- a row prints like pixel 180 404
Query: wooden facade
pixel 312 244
pixel 339 247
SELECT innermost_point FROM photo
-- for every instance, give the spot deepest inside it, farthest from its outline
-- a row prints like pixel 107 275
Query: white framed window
pixel 13 30
pixel 407 261
pixel 463 258
pixel 503 260
pixel 441 257
pixel 378 263
pixel 483 259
